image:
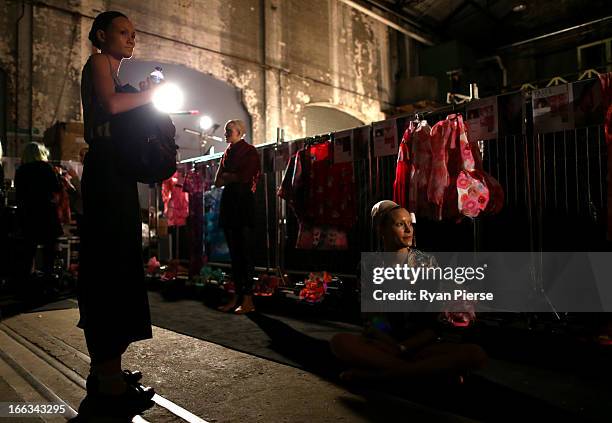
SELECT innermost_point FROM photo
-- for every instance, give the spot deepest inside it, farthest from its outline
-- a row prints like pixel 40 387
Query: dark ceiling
pixel 493 23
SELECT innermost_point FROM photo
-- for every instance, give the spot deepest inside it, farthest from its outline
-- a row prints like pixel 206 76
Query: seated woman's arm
pixel 418 341
pixel 104 86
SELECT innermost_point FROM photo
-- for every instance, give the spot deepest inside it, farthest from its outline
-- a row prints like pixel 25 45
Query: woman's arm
pixel 219 177
pixel 104 87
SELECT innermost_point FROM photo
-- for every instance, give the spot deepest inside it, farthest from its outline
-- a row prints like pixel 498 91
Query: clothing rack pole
pixel 370 196
pixel 149 202
pixel 279 226
pixel 267 203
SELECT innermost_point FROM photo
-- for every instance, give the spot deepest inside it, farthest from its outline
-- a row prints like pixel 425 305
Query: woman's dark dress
pixel 112 294
pixel 36 183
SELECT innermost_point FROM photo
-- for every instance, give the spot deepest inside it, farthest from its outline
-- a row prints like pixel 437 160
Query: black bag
pixel 143 140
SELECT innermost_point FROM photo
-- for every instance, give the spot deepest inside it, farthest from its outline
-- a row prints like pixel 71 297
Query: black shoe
pixel 126 405
pixel 131 378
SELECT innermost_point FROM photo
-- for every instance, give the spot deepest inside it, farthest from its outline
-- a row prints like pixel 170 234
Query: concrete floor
pixel 213 382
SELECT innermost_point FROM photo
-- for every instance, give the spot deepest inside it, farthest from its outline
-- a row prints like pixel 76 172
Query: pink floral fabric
pixel 421 170
pixel 176 202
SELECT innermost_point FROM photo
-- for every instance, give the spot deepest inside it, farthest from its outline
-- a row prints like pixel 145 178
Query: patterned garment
pixel 472 191
pixel 194 186
pixel 321 237
pixel 214 238
pixel 176 202
pixel 458 185
pixel 63 204
pixel 419 178
pixel 322 196
pixel 330 196
pixel 439 178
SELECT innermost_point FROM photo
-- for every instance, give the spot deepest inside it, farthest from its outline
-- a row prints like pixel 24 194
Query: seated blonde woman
pixel 382 352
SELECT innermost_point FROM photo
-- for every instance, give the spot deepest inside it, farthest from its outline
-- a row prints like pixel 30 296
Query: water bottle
pixel 157 76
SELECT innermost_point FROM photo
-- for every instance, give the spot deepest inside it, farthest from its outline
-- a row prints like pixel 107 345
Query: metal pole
pixel 389 23
pixel 541 37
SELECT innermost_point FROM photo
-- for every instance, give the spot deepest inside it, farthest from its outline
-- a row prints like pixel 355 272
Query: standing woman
pixel 112 295
pixel 239 172
pixel 37 187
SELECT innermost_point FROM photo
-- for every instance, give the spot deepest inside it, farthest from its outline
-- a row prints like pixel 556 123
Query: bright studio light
pixel 206 123
pixel 168 98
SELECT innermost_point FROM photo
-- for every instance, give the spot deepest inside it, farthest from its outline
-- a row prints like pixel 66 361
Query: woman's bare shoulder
pixel 97 58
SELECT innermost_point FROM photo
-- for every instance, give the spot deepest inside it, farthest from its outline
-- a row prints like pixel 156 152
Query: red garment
pixel 322 196
pixel 330 196
pixel 610 191
pixel 194 187
pixel 421 170
pixel 403 170
pixel 242 159
pixel 321 237
pixel 456 186
pixel 63 205
pixel 606 91
pixel 176 203
pixel 439 178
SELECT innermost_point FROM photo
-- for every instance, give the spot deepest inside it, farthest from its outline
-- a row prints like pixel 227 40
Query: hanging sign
pixel 510 114
pixel 361 142
pixel 343 146
pixel 552 108
pixel 482 119
pixel 385 138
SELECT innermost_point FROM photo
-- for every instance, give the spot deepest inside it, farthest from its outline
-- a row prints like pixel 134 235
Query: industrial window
pixel 597 55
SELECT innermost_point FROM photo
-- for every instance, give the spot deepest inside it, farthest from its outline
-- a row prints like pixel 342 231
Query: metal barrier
pixel 555 198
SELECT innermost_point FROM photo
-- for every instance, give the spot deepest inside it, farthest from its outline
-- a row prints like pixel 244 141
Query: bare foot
pixel 230 305
pixel 247 305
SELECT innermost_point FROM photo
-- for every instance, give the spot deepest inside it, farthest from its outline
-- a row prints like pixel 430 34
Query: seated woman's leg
pixel 361 352
pixel 446 358
pixel 377 360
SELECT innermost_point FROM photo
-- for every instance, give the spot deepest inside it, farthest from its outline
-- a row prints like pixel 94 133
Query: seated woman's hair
pixel 102 22
pixel 380 212
pixel 34 152
pixel 239 125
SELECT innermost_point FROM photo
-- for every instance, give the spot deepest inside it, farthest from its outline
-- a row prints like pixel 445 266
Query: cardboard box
pixel 65 140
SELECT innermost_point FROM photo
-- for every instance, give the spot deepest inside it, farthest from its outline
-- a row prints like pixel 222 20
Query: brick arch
pixel 327 117
pixel 245 78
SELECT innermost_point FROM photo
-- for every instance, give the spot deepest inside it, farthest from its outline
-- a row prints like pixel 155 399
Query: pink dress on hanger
pixel 455 187
pixel 439 179
pixel 176 202
pixel 421 170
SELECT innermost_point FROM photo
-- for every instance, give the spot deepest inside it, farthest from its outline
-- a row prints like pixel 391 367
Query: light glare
pixel 206 123
pixel 168 98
